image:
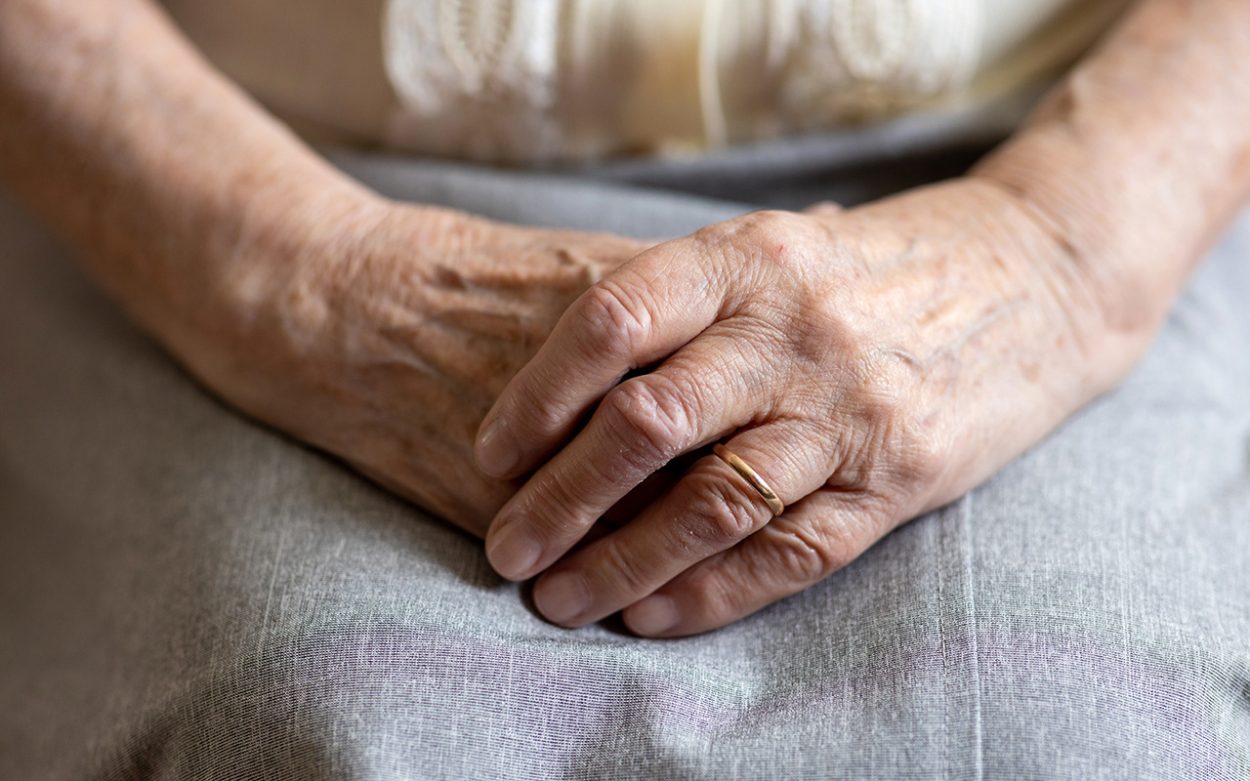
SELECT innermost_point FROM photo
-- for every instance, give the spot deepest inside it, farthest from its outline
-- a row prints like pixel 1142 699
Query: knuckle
pixel 859 455
pixel 621 572
pixel 611 320
pixel 531 411
pixel 818 332
pixel 924 454
pixel 651 418
pixel 552 507
pixel 719 509
pixel 542 418
pixel 885 439
pixel 715 600
pixel 774 231
pixel 874 373
pixel 906 449
pixel 771 223
pixel 767 236
pixel 889 450
pixel 607 470
pixel 808 557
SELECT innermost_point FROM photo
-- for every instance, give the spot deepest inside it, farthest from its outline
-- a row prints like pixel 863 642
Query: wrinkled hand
pixel 383 334
pixel 870 364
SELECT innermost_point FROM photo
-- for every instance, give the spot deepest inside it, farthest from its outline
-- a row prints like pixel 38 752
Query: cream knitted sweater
pixel 537 80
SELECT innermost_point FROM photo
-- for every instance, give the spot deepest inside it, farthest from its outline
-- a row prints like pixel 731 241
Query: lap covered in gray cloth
pixel 187 594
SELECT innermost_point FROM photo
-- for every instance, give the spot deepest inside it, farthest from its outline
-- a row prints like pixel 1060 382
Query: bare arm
pixel 157 168
pixel 1142 155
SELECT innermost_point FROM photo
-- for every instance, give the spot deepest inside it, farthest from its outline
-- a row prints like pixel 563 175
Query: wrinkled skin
pixel 870 364
pixel 387 350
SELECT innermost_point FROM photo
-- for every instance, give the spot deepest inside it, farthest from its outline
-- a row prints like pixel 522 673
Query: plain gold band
pixel 751 476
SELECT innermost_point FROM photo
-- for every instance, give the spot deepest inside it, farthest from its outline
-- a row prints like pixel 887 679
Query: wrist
pixel 260 245
pixel 1128 242
pixel 1033 179
pixel 312 257
pixel 1100 303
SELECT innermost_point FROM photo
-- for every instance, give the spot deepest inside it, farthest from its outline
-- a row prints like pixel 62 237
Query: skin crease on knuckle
pixel 611 321
pixel 717 511
pixel 547 513
pixel 889 442
pixel 624 572
pixel 718 508
pixel 795 552
pixel 794 556
pixel 802 556
pixel 710 599
pixel 810 552
pixel 653 420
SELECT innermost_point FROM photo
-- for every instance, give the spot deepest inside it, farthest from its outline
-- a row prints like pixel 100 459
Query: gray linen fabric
pixel 187 594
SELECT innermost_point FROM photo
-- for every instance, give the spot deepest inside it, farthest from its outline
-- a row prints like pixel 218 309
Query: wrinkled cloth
pixel 185 593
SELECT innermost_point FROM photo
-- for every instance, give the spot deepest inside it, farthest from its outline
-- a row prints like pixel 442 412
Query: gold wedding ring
pixel 751 476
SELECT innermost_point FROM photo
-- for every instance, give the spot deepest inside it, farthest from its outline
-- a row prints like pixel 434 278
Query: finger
pixel 820 535
pixel 711 509
pixel 710 387
pixel 637 315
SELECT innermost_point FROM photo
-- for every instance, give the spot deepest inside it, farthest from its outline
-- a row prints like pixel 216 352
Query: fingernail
pixel 657 613
pixel 562 597
pixel 513 552
pixel 496 450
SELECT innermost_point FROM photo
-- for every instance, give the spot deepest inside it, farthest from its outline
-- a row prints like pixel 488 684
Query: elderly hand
pixel 869 364
pixel 382 333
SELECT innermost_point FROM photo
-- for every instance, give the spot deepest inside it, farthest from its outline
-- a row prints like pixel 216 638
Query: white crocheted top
pixel 536 80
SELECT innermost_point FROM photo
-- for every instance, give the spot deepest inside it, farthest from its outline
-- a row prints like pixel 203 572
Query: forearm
pixel 153 165
pixel 1142 155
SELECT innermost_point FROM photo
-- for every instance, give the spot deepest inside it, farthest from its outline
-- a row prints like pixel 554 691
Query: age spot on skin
pixel 1030 370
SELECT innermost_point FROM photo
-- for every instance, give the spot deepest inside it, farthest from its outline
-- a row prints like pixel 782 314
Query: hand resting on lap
pixel 871 364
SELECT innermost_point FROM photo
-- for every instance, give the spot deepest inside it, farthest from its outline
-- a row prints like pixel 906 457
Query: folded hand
pixel 868 364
